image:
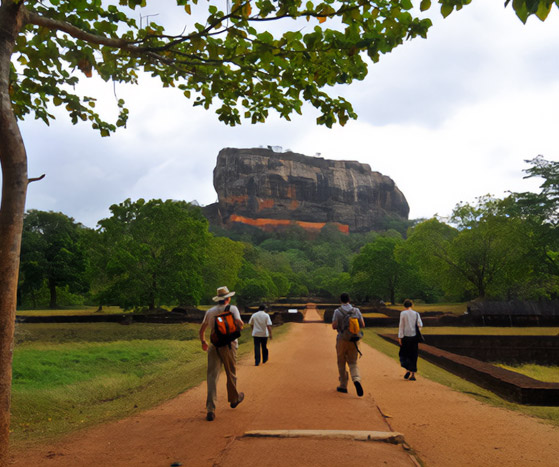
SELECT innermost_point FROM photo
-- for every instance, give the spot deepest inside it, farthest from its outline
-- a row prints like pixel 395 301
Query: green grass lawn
pixel 549 374
pixel 454 308
pixel 374 315
pixel 72 375
pixel 437 374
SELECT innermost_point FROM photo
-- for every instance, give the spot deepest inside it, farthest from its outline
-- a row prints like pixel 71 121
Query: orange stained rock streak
pixel 272 224
pixel 265 204
pixel 241 199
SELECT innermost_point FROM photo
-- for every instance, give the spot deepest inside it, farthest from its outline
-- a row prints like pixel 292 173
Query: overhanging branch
pixel 53 24
pixel 36 179
pixel 117 43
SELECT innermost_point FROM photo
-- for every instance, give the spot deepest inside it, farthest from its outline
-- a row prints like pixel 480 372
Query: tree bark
pixel 14 189
pixel 53 299
pixel 152 293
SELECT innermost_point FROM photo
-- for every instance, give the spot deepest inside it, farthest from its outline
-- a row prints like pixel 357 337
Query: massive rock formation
pixel 268 189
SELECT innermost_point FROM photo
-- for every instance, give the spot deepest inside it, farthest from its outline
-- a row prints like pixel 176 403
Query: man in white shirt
pixel 226 355
pixel 261 330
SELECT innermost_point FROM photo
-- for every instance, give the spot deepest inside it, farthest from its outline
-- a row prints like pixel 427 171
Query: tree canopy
pixel 155 253
pixel 228 59
pixel 225 55
pixel 52 254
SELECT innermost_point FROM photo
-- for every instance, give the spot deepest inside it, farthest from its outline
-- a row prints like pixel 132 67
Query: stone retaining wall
pixel 507 384
pixel 505 349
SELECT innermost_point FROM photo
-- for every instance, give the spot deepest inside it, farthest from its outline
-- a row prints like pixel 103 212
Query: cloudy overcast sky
pixel 448 118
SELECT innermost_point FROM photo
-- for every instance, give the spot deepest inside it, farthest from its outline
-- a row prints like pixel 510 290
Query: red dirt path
pixel 296 389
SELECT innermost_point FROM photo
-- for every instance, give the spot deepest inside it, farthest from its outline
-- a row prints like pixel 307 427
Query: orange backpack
pixel 226 329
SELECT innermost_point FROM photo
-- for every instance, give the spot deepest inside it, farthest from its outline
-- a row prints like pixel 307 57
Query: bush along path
pixel 293 415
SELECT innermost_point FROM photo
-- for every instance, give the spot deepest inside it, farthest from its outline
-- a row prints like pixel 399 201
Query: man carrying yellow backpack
pixel 348 321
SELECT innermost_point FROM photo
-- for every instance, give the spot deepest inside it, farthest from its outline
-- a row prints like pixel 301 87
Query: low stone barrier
pixel 505 349
pixel 514 313
pixel 123 318
pixel 430 319
pixel 172 317
pixel 507 384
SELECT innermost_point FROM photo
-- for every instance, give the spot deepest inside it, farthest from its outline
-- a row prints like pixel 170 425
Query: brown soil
pixel 296 389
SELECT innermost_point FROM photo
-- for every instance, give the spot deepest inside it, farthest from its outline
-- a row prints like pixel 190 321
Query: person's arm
pixel 269 325
pixel 361 319
pixel 335 320
pixel 237 316
pixel 419 322
pixel 401 329
pixel 203 337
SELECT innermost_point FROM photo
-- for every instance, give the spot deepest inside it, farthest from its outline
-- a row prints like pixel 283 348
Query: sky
pixel 449 118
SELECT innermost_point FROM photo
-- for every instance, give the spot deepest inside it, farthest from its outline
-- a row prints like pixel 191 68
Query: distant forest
pixel 155 253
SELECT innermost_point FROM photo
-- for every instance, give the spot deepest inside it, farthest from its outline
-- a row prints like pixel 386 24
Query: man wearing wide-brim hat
pixel 217 356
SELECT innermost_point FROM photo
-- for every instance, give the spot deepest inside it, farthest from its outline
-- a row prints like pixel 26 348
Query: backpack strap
pixel 355 342
pixel 357 347
pixel 344 314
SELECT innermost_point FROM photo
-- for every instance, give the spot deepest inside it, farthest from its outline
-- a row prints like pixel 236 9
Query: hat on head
pixel 222 294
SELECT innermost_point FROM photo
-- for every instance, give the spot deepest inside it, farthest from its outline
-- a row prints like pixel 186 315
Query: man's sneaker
pixel 340 389
pixel 359 388
pixel 407 375
pixel 210 416
pixel 239 400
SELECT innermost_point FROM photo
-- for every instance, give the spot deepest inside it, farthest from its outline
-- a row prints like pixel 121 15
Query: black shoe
pixel 340 389
pixel 359 388
pixel 210 416
pixel 407 375
pixel 412 378
pixel 239 400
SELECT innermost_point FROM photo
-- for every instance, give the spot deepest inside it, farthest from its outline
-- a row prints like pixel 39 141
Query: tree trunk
pixel 152 293
pixel 14 188
pixel 52 290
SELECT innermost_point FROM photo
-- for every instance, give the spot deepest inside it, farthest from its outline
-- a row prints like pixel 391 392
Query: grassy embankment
pixel 548 374
pixel 454 308
pixel 435 373
pixel 74 311
pixel 69 376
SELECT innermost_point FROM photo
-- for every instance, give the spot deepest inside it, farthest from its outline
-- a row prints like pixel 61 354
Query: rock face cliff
pixel 269 190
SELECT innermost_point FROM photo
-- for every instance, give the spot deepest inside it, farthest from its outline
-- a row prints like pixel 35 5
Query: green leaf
pixel 406 4
pixel 543 10
pixel 425 5
pixel 446 10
